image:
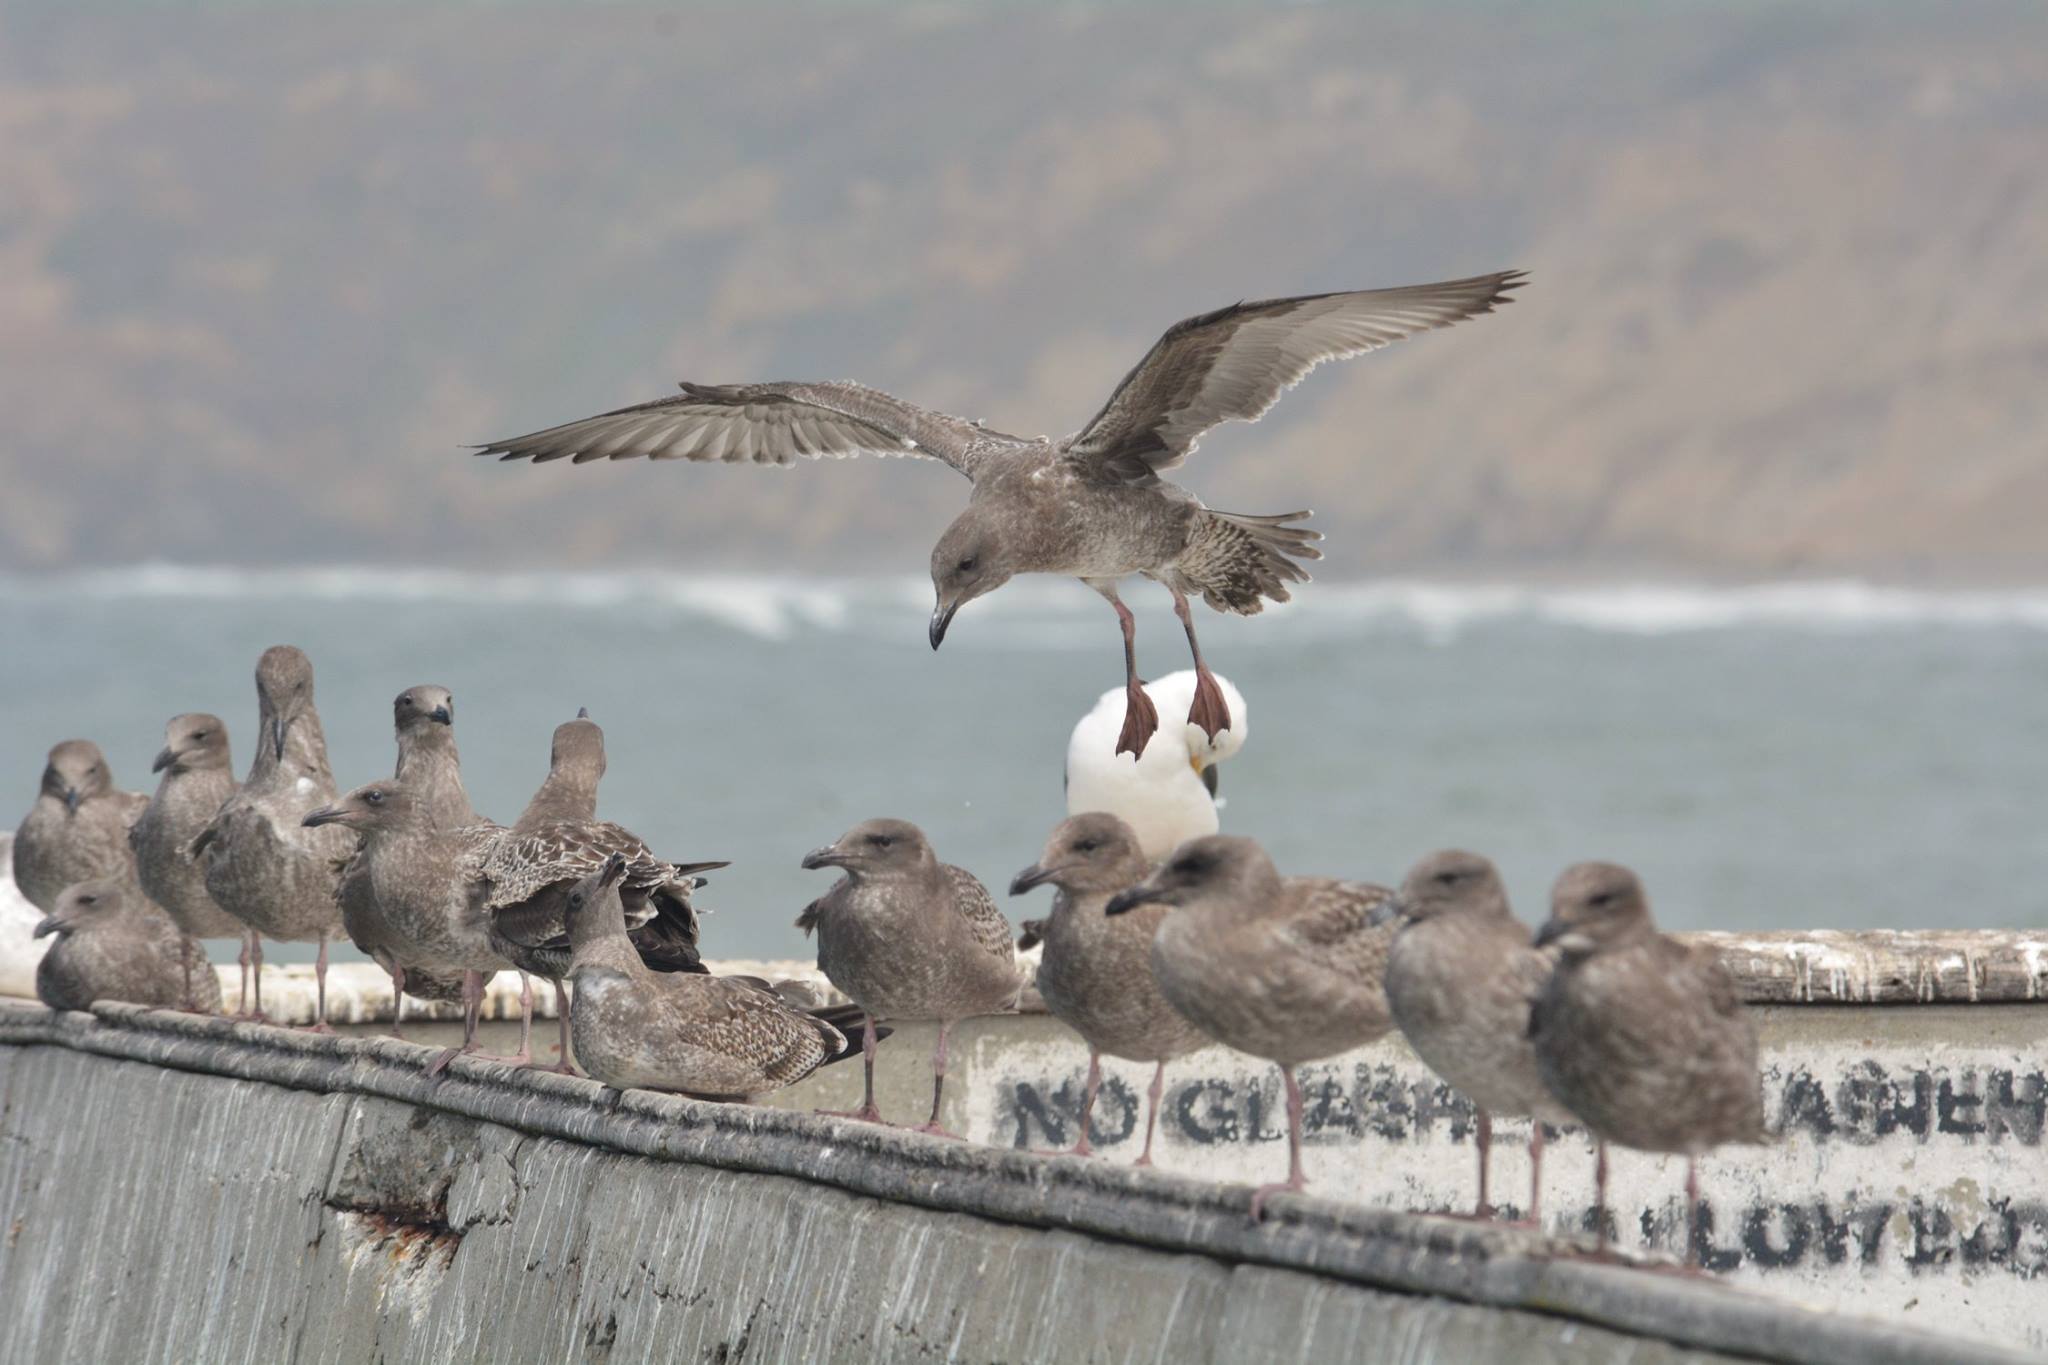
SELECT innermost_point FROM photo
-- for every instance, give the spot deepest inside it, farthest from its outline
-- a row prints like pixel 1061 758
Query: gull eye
pixel 88 900
pixel 1087 845
pixel 881 840
pixel 375 798
pixel 1446 878
pixel 575 900
pixel 1604 898
pixel 966 565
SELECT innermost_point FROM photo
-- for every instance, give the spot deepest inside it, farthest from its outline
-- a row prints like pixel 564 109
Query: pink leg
pixel 320 1024
pixel 563 1065
pixel 523 1057
pixel 242 1003
pixel 1600 1190
pixel 1296 1181
pixel 867 1113
pixel 1485 1145
pixel 1081 1145
pixel 1152 1111
pixel 1141 718
pixel 1536 1174
pixel 256 974
pixel 472 1011
pixel 1692 1213
pixel 1210 710
pixel 931 1125
pixel 397 999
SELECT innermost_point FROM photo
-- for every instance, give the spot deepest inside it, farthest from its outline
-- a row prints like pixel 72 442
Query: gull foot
pixel 867 1113
pixel 322 1027
pixel 935 1129
pixel 1209 711
pixel 1141 720
pixel 1080 1148
pixel 1263 1192
pixel 440 1063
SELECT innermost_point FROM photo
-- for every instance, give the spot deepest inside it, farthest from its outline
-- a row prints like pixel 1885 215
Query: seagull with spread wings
pixel 1092 505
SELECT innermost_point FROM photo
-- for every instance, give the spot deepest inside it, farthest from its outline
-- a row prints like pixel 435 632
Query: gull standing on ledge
pixel 1167 795
pixel 198 776
pixel 78 827
pixel 1092 505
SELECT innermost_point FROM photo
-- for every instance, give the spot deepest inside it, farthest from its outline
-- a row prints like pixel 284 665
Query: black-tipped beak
pixel 583 713
pixel 442 714
pixel 1551 931
pixel 1032 876
pixel 829 856
pixel 942 616
pixel 1132 897
pixel 46 926
pixel 163 760
pixel 326 815
pixel 1386 912
pixel 71 800
pixel 278 725
pixel 613 869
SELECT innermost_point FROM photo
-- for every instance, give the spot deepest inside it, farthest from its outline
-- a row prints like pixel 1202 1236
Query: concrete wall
pixel 174 1188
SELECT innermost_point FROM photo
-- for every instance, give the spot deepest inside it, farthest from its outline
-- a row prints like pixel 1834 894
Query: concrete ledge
pixel 1496 1268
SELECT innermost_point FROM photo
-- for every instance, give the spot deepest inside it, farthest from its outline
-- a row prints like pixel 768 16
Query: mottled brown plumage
pixel 112 944
pixel 1093 505
pixel 575 767
pixel 1095 974
pixel 77 829
pixel 712 1037
pixel 263 866
pixel 1645 1040
pixel 1461 977
pixel 1286 968
pixel 909 937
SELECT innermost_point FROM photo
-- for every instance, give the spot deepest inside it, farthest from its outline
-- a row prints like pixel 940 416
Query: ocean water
pixel 1780 756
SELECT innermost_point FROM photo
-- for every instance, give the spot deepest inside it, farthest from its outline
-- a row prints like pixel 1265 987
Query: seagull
pixel 112 944
pixel 1167 795
pixel 1092 505
pixel 198 775
pixel 1643 1038
pixel 1461 976
pixel 78 827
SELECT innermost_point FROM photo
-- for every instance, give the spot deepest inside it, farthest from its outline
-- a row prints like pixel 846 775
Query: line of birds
pixel 1158 943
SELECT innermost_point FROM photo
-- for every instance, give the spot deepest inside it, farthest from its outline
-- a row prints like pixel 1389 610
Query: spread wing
pixel 1233 364
pixel 774 423
pixel 978 908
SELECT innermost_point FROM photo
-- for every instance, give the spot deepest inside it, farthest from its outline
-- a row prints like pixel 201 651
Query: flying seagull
pixel 1092 505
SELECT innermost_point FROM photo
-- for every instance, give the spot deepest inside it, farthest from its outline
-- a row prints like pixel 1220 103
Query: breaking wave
pixel 774 607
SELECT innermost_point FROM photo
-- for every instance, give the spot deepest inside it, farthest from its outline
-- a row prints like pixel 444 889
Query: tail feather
pixel 668 941
pixel 847 1021
pixel 1239 562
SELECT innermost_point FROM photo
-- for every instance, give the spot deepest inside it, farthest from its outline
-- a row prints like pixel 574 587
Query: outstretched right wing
pixel 774 423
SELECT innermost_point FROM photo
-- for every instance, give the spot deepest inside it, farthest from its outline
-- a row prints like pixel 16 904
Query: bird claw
pixel 1263 1192
pixel 440 1063
pixel 867 1113
pixel 1210 710
pixel 322 1027
pixel 1080 1148
pixel 935 1129
pixel 1141 720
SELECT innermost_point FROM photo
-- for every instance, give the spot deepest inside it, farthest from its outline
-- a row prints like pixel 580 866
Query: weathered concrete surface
pixel 175 1188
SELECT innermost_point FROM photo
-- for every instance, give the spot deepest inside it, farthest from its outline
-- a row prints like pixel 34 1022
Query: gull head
pixel 419 710
pixel 284 691
pixel 874 848
pixel 972 559
pixel 374 806
pixel 1595 906
pixel 76 770
pixel 1448 882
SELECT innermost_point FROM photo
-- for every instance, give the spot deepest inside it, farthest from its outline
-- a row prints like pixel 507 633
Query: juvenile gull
pixel 525 880
pixel 714 1037
pixel 423 721
pixel 112 944
pixel 198 776
pixel 908 937
pixel 575 767
pixel 263 866
pixel 1286 968
pixel 78 827
pixel 412 891
pixel 1461 977
pixel 1096 973
pixel 1641 1037
pixel 1092 505
pixel 1167 795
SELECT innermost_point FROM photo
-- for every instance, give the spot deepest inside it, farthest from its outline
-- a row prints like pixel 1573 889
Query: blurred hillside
pixel 264 270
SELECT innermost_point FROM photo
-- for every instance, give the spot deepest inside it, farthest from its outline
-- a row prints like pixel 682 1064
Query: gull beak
pixel 1387 911
pixel 1033 876
pixel 828 856
pixel 583 713
pixel 1144 893
pixel 278 725
pixel 71 800
pixel 942 616
pixel 48 925
pixel 326 815
pixel 1208 775
pixel 1567 939
pixel 163 760
pixel 445 715
pixel 613 869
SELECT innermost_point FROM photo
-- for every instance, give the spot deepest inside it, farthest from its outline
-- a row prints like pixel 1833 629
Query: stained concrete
pixel 174 1188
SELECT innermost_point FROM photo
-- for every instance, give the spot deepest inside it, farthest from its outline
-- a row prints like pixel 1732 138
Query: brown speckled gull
pixel 1092 505
pixel 112 944
pixel 1461 977
pixel 411 890
pixel 262 865
pixel 1290 969
pixel 430 768
pixel 1644 1039
pixel 725 1038
pixel 198 776
pixel 575 767
pixel 908 937
pixel 1096 974
pixel 78 827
